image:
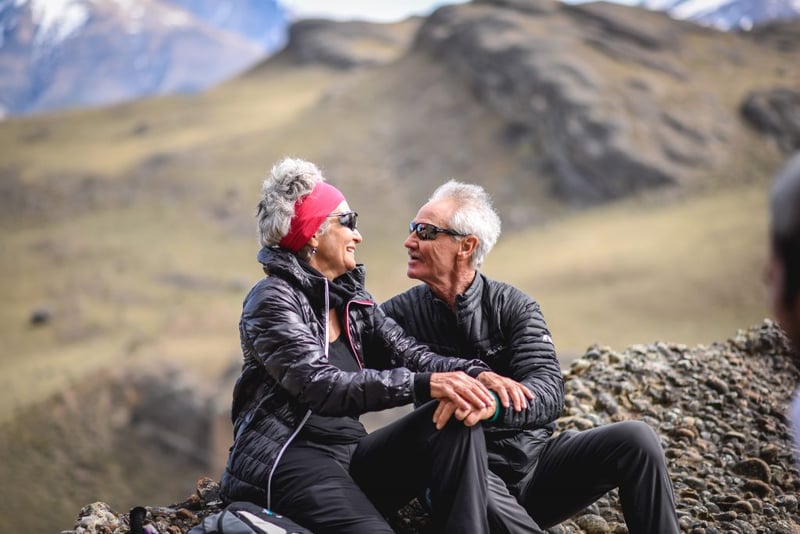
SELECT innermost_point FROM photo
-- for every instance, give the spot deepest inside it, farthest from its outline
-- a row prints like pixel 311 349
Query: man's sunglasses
pixel 428 232
pixel 348 219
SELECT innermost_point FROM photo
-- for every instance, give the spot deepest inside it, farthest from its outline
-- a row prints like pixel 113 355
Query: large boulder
pixel 776 112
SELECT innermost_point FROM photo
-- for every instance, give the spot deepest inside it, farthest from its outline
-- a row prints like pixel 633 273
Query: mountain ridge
pixel 228 37
pixel 728 14
pixel 81 53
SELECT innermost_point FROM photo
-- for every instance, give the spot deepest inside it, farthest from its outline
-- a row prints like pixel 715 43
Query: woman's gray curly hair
pixel 289 180
pixel 474 214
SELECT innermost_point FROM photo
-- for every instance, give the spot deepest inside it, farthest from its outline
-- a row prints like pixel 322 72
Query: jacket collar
pixel 284 264
pixel 469 299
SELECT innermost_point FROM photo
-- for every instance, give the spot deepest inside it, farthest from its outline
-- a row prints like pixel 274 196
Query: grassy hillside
pixel 133 225
pixel 129 254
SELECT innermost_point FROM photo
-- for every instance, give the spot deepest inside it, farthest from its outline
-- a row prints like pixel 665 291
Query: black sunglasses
pixel 348 219
pixel 428 232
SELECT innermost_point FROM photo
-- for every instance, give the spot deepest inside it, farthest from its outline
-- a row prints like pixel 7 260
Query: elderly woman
pixel 318 353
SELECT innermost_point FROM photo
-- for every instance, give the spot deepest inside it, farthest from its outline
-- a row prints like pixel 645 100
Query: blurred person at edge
pixel 536 479
pixel 319 352
pixel 783 271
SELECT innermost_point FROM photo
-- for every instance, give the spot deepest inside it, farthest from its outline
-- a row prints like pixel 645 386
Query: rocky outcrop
pixel 346 45
pixel 606 94
pixel 719 411
pixel 776 112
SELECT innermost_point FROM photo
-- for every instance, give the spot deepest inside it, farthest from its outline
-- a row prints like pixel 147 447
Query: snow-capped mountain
pixel 58 54
pixel 727 14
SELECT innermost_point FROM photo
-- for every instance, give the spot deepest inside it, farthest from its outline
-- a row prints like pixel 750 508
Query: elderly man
pixel 784 265
pixel 537 479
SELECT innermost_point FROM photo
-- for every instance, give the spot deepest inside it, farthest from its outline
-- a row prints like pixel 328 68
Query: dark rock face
pixel 718 409
pixel 530 61
pixel 776 112
pixel 594 89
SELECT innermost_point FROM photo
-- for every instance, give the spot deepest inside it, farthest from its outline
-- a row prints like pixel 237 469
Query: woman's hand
pixel 447 409
pixel 464 391
pixel 509 391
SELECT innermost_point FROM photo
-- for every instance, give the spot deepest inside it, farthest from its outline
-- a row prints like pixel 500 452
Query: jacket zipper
pixel 347 328
pixel 308 412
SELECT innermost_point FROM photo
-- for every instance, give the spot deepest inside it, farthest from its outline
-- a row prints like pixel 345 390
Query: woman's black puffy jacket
pixel 286 376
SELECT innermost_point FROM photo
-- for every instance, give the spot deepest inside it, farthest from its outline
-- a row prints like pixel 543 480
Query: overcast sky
pixel 375 10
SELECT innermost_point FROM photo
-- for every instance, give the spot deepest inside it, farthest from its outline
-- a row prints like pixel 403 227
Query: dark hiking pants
pixel 351 488
pixel 577 468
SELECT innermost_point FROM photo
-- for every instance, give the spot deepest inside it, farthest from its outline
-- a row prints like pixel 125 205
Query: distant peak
pixel 56 20
pixel 727 14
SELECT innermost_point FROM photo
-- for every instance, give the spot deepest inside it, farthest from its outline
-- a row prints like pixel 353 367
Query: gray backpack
pixel 247 518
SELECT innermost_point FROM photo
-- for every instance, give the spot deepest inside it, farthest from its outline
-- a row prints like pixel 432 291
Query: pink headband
pixel 309 213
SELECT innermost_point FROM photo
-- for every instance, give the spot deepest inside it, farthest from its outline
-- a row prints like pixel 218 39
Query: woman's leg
pixel 395 463
pixel 312 487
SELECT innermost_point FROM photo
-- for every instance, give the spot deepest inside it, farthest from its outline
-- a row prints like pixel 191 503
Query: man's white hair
pixel 474 214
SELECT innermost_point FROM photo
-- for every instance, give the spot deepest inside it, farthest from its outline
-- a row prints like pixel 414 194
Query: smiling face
pixel 336 248
pixel 433 261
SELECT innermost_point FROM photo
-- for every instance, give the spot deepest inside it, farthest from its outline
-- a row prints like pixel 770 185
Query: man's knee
pixel 639 436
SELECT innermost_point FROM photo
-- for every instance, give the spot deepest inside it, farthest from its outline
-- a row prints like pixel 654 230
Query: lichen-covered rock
pixel 99 518
pixel 718 409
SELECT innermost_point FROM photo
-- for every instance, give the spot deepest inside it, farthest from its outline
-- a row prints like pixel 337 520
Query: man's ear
pixel 467 246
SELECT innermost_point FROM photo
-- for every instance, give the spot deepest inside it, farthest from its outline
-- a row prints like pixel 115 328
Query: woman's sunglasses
pixel 348 219
pixel 428 232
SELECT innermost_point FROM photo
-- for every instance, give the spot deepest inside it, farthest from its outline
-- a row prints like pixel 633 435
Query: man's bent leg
pixel 506 515
pixel 577 468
